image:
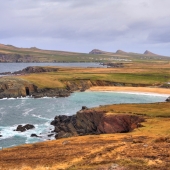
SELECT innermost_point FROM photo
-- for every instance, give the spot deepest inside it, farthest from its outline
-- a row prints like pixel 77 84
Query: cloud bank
pixel 78 25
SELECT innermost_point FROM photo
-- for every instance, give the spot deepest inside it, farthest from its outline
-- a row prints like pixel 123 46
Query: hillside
pixel 9 53
pixel 145 148
pixel 149 53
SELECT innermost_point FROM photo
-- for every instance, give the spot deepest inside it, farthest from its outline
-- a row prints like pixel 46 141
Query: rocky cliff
pixel 15 87
pixel 89 121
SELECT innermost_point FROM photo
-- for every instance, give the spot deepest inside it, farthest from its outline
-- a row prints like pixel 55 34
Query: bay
pixel 40 112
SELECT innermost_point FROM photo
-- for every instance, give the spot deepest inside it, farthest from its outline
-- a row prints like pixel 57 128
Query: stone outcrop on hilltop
pixel 89 121
pixel 96 51
pixel 149 53
pixel 120 52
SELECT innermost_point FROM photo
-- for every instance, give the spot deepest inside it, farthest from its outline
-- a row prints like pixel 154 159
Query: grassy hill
pixel 9 53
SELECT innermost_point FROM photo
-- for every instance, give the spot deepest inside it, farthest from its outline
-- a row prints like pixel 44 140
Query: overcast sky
pixel 82 25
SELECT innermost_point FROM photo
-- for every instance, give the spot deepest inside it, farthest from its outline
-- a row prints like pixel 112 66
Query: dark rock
pixel 168 99
pixel 96 51
pixel 0 135
pixel 50 135
pixel 36 69
pixel 5 73
pixel 15 87
pixel 92 122
pixel 24 128
pixel 114 65
pixel 84 108
pixel 34 135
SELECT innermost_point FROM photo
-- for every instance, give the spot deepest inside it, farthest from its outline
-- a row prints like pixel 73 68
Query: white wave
pixel 27 111
pixel 136 93
pixel 40 117
pixel 18 98
pixel 145 93
pixel 4 98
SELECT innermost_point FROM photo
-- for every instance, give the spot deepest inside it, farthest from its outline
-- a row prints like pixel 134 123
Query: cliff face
pixel 83 85
pixel 89 121
pixel 15 87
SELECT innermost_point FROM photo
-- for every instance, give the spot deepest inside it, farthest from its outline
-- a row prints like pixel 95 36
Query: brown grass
pixel 144 148
pixel 89 152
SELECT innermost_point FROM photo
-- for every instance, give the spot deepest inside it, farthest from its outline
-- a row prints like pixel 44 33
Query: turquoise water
pixel 40 112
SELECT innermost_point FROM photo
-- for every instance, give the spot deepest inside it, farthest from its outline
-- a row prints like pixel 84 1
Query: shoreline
pixel 145 90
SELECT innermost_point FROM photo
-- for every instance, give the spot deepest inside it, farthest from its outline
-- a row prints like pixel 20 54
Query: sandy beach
pixel 163 91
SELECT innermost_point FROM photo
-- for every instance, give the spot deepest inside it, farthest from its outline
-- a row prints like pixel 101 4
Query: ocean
pixel 40 112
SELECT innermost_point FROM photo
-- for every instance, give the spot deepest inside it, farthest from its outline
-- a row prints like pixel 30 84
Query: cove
pixel 40 112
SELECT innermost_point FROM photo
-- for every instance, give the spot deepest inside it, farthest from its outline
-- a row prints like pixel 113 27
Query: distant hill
pixel 96 51
pixel 149 53
pixel 9 53
pixel 120 52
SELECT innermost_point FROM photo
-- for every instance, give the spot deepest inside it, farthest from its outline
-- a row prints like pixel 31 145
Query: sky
pixel 83 25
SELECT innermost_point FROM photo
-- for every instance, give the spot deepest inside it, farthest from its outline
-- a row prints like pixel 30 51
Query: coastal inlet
pixel 40 112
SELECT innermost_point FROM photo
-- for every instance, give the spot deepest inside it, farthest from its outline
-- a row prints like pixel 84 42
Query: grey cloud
pixel 90 21
pixel 160 36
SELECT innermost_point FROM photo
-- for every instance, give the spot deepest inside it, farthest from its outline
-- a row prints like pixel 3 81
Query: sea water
pixel 40 112
pixel 12 67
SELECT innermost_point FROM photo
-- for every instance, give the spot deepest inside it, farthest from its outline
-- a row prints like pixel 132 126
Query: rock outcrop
pixel 149 53
pixel 120 52
pixel 34 135
pixel 168 99
pixel 15 87
pixel 89 121
pixel 114 65
pixel 24 128
pixel 36 69
pixel 96 51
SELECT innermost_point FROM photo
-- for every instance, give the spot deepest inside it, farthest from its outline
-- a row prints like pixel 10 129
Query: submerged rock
pixel 24 128
pixel 168 99
pixel 89 121
pixel 34 135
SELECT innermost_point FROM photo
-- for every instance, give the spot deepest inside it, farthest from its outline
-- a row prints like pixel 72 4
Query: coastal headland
pixel 145 147
pixel 90 141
